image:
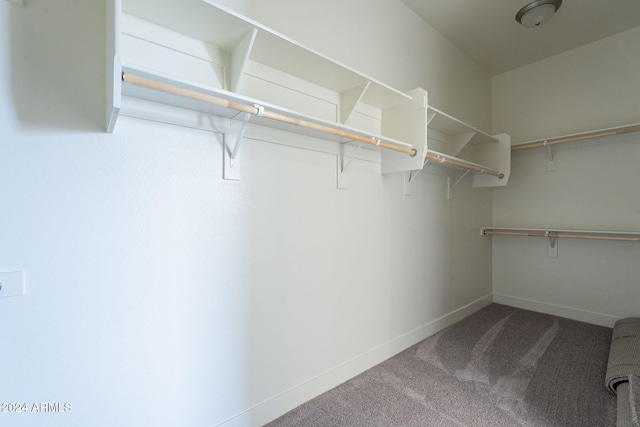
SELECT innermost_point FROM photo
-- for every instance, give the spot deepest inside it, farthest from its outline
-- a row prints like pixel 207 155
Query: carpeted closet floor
pixel 501 366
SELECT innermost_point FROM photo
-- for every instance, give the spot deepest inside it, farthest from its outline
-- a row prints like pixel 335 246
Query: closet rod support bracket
pixel 551 156
pixel 409 176
pixel 233 130
pixel 232 134
pixel 346 165
pixel 238 134
pixel 553 244
pixel 343 163
pixel 450 187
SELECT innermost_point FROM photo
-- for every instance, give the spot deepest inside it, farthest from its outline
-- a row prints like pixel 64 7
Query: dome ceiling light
pixel 537 12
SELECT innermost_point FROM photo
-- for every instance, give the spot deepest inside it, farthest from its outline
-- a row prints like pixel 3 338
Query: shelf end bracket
pixel 451 187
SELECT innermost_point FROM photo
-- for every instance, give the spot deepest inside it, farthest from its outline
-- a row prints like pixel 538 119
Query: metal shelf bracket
pixel 551 156
pixel 343 164
pixel 233 130
pixel 409 176
pixel 451 187
pixel 553 244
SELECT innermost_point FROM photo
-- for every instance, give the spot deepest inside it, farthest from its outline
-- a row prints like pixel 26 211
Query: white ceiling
pixel 486 30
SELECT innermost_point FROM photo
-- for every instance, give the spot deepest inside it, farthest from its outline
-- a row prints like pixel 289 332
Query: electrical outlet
pixel 11 284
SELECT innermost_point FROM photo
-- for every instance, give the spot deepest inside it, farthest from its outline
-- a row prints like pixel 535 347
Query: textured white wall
pixel 594 186
pixel 159 294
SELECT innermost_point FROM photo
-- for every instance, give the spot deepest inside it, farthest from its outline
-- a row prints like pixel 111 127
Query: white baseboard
pixel 557 310
pixel 276 406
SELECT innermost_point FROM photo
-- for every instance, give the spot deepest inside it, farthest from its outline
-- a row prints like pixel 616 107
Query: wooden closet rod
pixel 574 138
pixel 243 108
pixel 561 235
pixel 452 162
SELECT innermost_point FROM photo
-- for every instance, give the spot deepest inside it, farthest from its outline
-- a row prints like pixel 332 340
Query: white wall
pixel 594 186
pixel 159 294
pixel 592 87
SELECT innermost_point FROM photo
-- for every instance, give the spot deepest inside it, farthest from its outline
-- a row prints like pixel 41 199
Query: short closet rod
pixel 221 102
pixel 561 235
pixel 575 138
pixel 459 164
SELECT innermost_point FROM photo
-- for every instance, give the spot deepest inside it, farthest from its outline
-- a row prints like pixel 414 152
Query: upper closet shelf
pixel 459 132
pixel 204 58
pixel 195 49
pixel 448 137
pixel 454 143
pixel 244 39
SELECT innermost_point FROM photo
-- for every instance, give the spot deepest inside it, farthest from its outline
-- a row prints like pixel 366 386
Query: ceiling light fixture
pixel 537 12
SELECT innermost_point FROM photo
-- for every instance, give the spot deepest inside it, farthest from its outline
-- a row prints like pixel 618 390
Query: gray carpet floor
pixel 501 366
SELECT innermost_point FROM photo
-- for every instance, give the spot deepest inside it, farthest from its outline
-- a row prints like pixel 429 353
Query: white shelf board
pixel 280 53
pixel 193 18
pixel 449 125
